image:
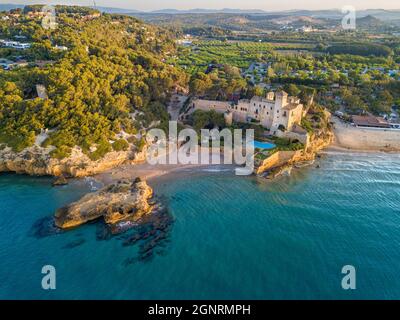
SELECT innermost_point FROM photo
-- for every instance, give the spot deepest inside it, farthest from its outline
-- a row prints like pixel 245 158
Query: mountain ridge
pixel 382 14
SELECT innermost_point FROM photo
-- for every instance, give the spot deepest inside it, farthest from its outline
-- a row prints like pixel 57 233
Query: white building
pixel 276 111
pixel 15 44
pixel 61 48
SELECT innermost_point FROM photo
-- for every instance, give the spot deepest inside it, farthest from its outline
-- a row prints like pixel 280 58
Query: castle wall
pixel 303 138
pixel 357 138
pixel 270 113
pixel 208 105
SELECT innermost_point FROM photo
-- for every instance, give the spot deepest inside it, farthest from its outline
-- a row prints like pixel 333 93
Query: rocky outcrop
pixel 280 160
pixel 60 181
pixel 37 161
pixel 118 202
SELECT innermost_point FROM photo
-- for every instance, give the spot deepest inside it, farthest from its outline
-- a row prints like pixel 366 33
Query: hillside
pixel 110 82
pixel 370 22
pixel 256 21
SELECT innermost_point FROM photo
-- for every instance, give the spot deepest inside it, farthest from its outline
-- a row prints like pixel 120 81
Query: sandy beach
pixel 148 171
pixel 347 139
pixel 145 171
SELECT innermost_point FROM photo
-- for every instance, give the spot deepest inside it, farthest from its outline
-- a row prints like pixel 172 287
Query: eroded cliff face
pixel 37 161
pixel 281 160
pixel 122 201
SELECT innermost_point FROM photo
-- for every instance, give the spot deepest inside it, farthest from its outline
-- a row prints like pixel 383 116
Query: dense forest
pixel 114 71
pixel 361 49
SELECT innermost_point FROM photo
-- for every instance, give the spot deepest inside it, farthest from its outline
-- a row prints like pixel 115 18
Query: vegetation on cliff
pixel 113 69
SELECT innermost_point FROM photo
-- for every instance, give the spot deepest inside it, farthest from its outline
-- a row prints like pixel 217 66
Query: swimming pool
pixel 263 145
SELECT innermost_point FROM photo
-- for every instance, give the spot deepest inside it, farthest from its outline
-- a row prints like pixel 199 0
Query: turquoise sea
pixel 231 238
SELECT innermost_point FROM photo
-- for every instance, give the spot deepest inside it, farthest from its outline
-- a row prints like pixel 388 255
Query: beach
pixel 147 171
pixel 347 139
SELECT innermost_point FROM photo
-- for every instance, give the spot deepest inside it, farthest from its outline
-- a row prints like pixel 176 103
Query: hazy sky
pixel 268 5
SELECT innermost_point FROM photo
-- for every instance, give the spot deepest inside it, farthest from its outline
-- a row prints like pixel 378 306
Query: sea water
pixel 231 238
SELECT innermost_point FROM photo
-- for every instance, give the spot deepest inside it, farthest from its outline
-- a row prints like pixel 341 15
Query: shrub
pixel 103 148
pixel 18 143
pixel 140 144
pixel 120 145
pixel 61 152
pixel 306 124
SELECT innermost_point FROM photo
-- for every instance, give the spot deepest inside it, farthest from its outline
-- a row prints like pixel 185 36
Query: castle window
pixel 284 114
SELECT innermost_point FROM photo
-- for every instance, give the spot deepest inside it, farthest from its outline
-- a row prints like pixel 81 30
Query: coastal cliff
pixel 279 161
pixel 118 202
pixel 38 161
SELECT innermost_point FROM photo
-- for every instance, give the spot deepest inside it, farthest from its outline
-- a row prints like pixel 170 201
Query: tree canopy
pixel 114 68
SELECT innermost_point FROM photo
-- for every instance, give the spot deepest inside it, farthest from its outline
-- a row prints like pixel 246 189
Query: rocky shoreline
pixel 37 161
pixel 282 161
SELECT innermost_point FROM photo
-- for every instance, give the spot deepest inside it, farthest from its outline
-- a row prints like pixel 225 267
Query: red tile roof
pixel 370 121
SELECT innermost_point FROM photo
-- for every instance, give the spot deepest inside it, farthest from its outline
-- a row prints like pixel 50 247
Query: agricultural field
pixel 358 79
pixel 239 54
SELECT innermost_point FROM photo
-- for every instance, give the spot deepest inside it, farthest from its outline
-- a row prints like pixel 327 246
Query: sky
pixel 267 5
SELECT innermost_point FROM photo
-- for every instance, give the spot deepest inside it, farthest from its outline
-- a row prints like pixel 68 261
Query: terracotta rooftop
pixel 370 121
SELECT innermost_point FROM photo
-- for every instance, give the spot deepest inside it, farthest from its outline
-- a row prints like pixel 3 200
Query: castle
pixel 276 111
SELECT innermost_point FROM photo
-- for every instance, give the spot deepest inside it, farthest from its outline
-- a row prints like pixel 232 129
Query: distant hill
pixel 369 22
pixel 383 15
pixel 335 14
pixel 116 10
pixel 205 11
pixel 297 19
pixel 166 11
pixel 320 14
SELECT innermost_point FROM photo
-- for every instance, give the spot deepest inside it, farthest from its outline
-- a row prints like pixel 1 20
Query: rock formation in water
pixel 124 201
pixel 60 181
